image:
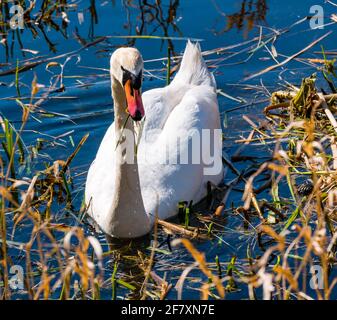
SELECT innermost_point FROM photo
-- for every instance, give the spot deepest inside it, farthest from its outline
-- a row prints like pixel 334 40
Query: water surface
pixel 85 104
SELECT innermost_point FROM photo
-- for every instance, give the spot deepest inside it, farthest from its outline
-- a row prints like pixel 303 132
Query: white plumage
pixel 182 110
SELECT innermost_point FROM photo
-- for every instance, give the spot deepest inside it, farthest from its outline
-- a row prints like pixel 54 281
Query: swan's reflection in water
pixel 132 259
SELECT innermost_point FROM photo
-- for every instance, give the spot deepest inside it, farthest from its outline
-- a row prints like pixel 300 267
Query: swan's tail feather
pixel 193 69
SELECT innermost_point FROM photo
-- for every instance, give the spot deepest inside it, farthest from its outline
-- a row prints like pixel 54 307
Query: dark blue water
pixel 86 104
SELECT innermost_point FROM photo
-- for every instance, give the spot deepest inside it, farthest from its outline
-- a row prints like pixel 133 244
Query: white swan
pixel 124 196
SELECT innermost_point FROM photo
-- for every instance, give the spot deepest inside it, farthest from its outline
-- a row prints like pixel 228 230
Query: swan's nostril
pixel 138 116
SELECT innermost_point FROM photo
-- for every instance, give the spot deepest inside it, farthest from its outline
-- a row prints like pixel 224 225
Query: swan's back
pixel 193 72
pixel 193 69
pixel 180 111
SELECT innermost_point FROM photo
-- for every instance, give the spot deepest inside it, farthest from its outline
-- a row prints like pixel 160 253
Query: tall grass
pixel 24 201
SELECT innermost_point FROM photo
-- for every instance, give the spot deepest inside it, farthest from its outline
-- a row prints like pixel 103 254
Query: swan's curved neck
pixel 127 216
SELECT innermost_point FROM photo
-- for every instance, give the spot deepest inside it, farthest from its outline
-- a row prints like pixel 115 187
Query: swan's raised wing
pixel 193 71
pixel 171 160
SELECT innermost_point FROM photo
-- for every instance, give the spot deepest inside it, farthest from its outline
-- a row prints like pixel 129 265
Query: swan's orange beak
pixel 134 102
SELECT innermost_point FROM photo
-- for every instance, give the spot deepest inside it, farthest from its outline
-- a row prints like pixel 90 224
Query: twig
pixel 327 111
pixel 288 59
pixel 176 228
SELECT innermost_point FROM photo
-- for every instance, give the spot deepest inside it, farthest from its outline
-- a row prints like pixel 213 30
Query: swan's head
pixel 126 67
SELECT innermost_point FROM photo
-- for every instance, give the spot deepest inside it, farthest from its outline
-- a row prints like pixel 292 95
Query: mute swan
pixel 140 171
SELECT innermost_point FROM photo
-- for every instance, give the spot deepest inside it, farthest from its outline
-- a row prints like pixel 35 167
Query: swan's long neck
pixel 127 217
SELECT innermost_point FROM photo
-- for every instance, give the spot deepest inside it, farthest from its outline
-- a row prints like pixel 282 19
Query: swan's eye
pixel 137 83
pixel 136 80
pixel 127 75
